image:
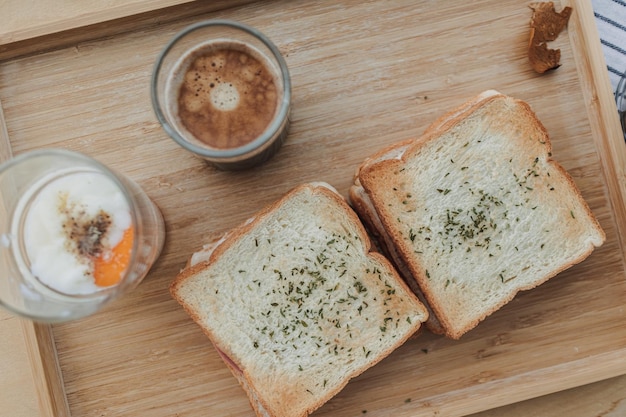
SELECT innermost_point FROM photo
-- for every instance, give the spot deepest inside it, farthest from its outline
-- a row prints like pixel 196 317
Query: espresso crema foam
pixel 72 221
pixel 228 94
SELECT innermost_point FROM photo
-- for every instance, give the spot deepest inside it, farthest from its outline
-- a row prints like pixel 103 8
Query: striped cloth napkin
pixel 611 22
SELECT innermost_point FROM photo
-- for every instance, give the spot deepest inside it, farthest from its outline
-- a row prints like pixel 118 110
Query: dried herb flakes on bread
pixel 296 303
pixel 475 210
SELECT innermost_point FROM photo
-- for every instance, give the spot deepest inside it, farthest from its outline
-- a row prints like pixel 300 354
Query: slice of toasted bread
pixel 476 210
pixel 296 303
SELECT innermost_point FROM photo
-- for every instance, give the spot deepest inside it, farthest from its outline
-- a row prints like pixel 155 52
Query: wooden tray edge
pixel 62 34
pixel 499 393
pixel 607 133
pixel 39 340
pixel 72 19
pixel 46 371
pixel 5 144
pixel 601 109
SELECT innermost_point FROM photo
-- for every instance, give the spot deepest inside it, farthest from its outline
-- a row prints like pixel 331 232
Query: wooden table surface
pixel 19 391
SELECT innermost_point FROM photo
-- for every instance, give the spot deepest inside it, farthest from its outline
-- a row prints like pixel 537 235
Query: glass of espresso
pixel 222 91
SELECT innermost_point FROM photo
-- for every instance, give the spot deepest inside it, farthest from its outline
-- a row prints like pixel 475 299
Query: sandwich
pixel 475 210
pixel 296 303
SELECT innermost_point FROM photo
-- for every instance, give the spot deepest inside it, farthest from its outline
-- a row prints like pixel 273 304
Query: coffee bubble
pixel 224 96
pixel 228 94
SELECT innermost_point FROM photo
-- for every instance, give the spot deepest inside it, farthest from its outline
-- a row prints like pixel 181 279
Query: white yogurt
pixel 70 222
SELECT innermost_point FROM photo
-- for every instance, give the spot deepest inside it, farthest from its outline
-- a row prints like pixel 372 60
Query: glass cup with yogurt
pixel 74 235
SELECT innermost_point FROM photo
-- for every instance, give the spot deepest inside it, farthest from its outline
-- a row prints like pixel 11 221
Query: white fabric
pixel 611 22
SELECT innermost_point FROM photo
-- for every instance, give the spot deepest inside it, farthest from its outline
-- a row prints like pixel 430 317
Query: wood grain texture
pixel 47 374
pixel 599 97
pixel 601 399
pixel 19 396
pixel 31 26
pixel 365 75
pixel 36 342
pixel 5 144
pixel 28 19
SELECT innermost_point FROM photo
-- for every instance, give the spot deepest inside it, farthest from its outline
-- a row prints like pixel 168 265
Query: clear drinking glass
pixel 59 210
pixel 223 92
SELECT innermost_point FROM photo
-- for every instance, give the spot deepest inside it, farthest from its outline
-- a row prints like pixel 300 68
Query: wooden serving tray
pixel 365 75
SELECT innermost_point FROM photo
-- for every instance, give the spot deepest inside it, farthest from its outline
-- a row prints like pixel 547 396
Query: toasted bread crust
pixel 377 231
pixel 360 201
pixel 376 174
pixel 285 401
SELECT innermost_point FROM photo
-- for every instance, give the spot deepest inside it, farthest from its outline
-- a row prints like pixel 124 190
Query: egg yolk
pixel 109 268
